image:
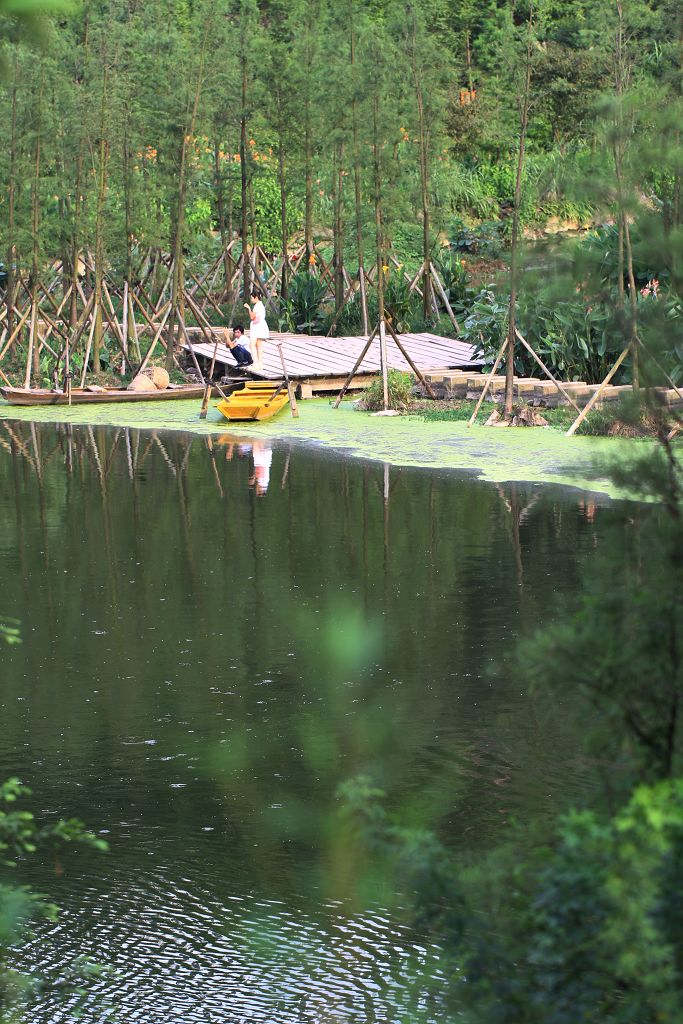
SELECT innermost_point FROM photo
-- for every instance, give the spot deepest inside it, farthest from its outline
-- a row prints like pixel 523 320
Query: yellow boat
pixel 257 400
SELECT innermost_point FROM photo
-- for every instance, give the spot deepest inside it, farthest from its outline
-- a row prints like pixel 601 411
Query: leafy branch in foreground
pixel 9 630
pixel 22 837
pixel 584 921
pixel 588 927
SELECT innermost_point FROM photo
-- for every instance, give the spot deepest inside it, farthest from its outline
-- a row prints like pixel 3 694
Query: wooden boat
pixel 81 396
pixel 257 400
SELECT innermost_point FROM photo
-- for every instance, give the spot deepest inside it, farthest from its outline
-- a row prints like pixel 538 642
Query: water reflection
pixel 261 453
pixel 216 635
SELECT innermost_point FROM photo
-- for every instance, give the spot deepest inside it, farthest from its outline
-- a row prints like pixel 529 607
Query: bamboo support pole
pixel 88 348
pixel 360 359
pixel 148 320
pixel 418 373
pixel 659 366
pixel 31 342
pixel 113 322
pixel 290 390
pixel 545 369
pixel 204 278
pixel 14 333
pixel 217 309
pixel 155 339
pixel 444 298
pixel 207 390
pixel 363 298
pixel 113 325
pixel 124 326
pixel 596 394
pixel 413 283
pixel 202 321
pixel 384 369
pixel 487 385
pixel 183 328
pixel 133 329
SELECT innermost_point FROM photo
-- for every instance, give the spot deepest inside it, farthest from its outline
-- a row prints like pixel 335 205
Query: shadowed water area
pixel 217 633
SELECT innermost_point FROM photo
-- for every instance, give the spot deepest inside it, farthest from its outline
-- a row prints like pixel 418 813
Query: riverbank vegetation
pixel 352 156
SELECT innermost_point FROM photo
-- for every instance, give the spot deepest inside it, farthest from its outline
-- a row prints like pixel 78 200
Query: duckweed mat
pixel 495 454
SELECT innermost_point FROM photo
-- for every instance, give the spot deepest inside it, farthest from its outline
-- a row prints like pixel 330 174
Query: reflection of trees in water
pixel 345 622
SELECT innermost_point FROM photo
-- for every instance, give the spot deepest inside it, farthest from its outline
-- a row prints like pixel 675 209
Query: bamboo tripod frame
pixel 380 329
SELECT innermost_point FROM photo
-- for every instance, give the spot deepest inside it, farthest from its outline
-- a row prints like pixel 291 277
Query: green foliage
pixel 580 929
pixel 484 240
pixel 454 276
pixel 302 310
pixel 10 630
pixel 21 838
pixel 399 391
pixel 578 329
pixel 402 305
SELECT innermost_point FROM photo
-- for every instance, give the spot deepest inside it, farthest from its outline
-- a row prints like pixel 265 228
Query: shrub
pixel 302 310
pixel 400 386
pixel 486 239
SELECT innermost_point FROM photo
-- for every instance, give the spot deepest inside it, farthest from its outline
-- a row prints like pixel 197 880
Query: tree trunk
pixel 11 200
pixel 338 225
pixel 178 266
pixel 35 232
pixel 103 148
pixel 220 211
pixel 514 241
pixel 357 184
pixel 282 179
pixel 246 274
pixel 252 218
pixel 379 239
pixel 75 240
pixel 127 203
pixel 625 258
pixel 468 55
pixel 308 175
pixel 178 270
pixel 423 131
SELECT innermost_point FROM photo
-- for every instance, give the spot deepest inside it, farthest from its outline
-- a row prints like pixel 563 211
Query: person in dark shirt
pixel 239 351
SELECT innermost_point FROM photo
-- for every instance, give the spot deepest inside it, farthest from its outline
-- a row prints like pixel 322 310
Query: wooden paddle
pixel 274 394
pixel 207 390
pixel 290 389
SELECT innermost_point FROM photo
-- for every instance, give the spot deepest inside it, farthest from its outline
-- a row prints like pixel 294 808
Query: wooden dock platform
pixel 322 364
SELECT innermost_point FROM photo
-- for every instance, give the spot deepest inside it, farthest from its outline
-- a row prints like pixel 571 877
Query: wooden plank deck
pixel 311 357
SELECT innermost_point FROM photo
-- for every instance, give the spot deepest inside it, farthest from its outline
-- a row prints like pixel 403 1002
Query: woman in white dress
pixel 258 329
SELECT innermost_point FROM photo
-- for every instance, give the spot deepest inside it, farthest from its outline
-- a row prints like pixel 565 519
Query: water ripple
pixel 178 955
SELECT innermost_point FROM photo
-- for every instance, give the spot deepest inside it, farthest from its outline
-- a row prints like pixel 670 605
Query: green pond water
pixel 217 632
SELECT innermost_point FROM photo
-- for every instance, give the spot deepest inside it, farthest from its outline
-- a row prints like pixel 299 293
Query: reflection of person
pixel 240 352
pixel 262 454
pixel 258 329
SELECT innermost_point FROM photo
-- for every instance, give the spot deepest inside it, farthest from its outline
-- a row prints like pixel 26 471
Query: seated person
pixel 241 353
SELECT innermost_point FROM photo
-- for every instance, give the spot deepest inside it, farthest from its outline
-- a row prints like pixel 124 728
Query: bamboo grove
pixel 161 158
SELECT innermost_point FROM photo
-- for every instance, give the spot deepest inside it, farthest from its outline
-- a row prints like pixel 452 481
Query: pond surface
pixel 217 634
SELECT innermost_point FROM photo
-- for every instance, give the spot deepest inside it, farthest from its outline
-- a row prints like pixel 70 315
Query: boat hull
pixel 26 396
pixel 256 401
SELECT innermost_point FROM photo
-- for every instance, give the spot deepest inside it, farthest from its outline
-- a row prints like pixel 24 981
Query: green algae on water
pixel 498 455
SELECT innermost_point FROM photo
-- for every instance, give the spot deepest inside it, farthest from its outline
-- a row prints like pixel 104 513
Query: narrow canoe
pixel 43 396
pixel 256 401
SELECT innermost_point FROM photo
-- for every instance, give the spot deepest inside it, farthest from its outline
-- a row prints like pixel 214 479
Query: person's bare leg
pixel 258 361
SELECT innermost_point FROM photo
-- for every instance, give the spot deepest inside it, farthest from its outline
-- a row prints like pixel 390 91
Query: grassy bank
pixel 617 420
